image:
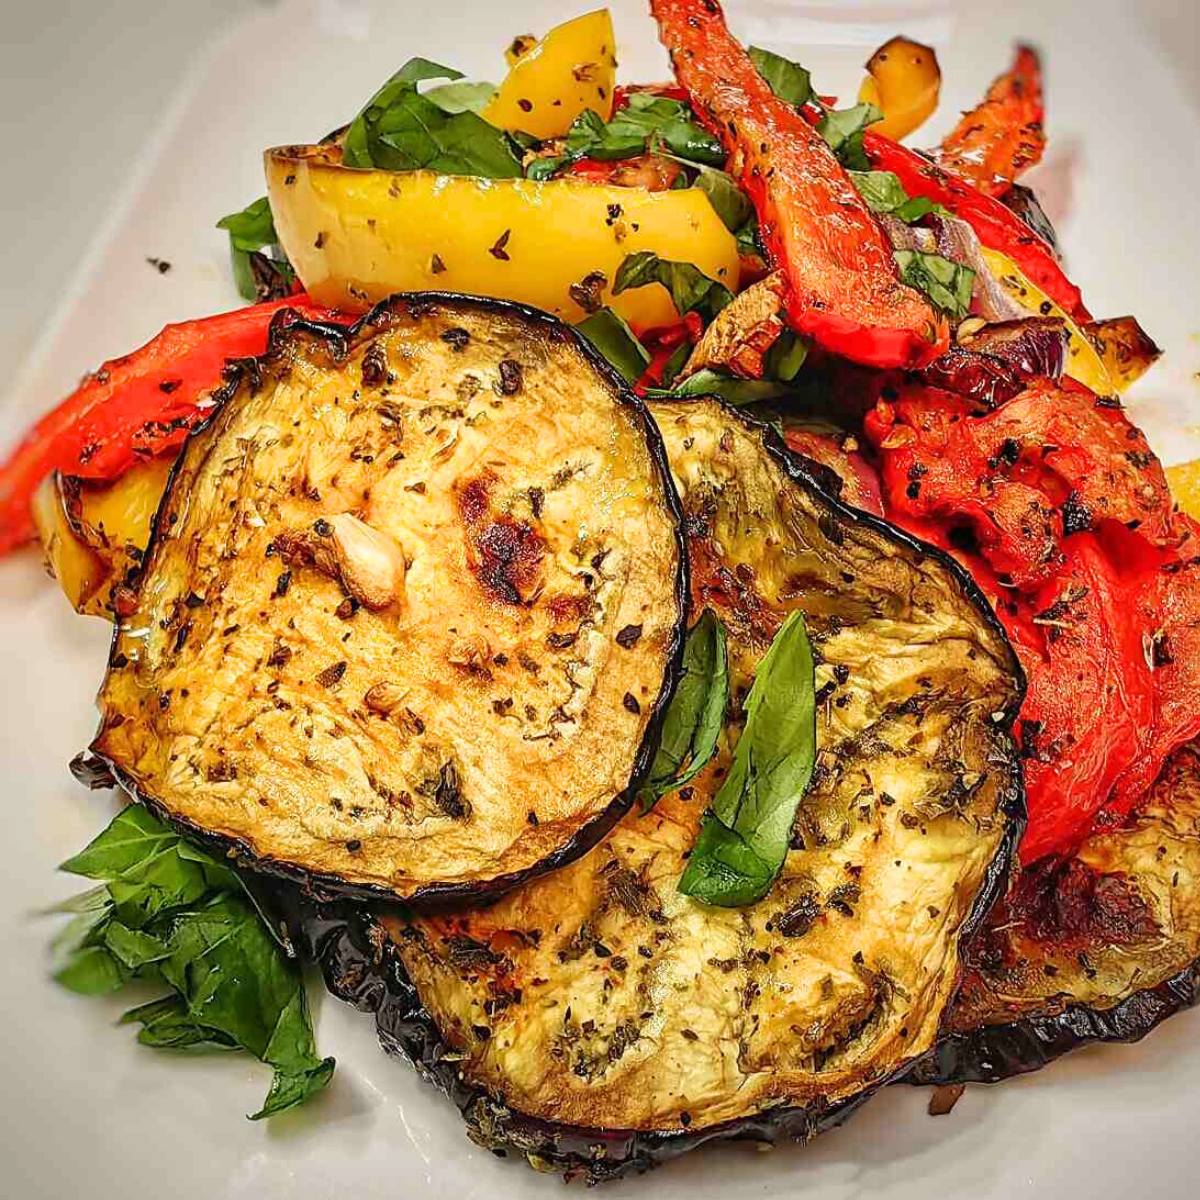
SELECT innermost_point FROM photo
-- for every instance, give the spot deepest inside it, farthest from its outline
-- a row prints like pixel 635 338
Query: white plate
pixel 85 1111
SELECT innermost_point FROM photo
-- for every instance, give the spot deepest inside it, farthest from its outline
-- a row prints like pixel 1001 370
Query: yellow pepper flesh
pixel 903 81
pixel 1184 482
pixel 572 68
pixel 1083 363
pixel 356 236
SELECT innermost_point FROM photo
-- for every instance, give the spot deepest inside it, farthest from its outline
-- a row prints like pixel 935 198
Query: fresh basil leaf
pixel 232 978
pixel 843 128
pixel 167 1026
pixel 253 227
pixel 171 912
pixel 696 714
pixel 947 284
pixel 133 836
pixel 646 123
pixel 290 1088
pixel 747 237
pixel 249 231
pixel 401 129
pixel 787 79
pixel 723 869
pixel 616 341
pixel 707 382
pixel 92 971
pixel 461 96
pixel 884 193
pixel 690 288
pixel 674 364
pixel 785 357
pixel 745 838
pixel 729 202
pixel 134 947
pixel 299 1073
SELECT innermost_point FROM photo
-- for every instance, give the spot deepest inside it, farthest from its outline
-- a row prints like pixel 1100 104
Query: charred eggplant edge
pixel 360 967
pixel 284 333
pixel 993 1053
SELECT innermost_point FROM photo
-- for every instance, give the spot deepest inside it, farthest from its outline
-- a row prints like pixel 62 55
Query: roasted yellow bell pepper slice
pixel 356 236
pixel 572 68
pixel 903 81
pixel 92 532
pixel 1083 363
pixel 1184 482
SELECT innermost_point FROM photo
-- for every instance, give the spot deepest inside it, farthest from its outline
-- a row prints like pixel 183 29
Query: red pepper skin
pixel 1090 701
pixel 1003 136
pixel 133 407
pixel 843 287
pixel 662 344
pixel 997 227
pixel 1043 465
pixel 1105 618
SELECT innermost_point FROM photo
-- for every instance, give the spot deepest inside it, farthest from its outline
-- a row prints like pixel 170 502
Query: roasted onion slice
pixel 597 1020
pixel 411 610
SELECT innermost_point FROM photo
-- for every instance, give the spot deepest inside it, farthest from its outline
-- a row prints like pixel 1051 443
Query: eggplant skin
pixel 1101 948
pixel 595 1020
pixel 376 645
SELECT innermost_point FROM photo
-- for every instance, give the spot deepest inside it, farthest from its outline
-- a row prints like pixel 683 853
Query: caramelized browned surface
pixel 599 996
pixel 377 636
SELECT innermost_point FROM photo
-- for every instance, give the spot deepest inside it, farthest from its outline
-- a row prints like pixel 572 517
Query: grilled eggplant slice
pixel 382 642
pixel 597 1020
pixel 1101 947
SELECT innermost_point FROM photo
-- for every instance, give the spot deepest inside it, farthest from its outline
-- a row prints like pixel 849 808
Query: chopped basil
pixel 884 193
pixel 843 128
pixel 729 202
pixel 647 122
pixel 170 914
pixel 402 129
pixel 745 836
pixel 948 284
pixel 257 276
pixel 696 713
pixel 787 79
pixel 785 357
pixel 616 341
pixel 708 382
pixel 691 290
pixel 461 96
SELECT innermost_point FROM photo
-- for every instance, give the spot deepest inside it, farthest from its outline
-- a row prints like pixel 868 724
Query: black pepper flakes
pixel 629 636
pixel 511 377
pixel 436 265
pixel 374 366
pixel 332 674
pixel 282 584
pixel 629 700
pixel 498 249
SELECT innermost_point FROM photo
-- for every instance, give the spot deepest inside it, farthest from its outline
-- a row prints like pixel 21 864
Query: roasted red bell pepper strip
pixel 997 227
pixel 134 407
pixel 1046 464
pixel 1090 700
pixel 996 141
pixel 843 287
pixel 1096 580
